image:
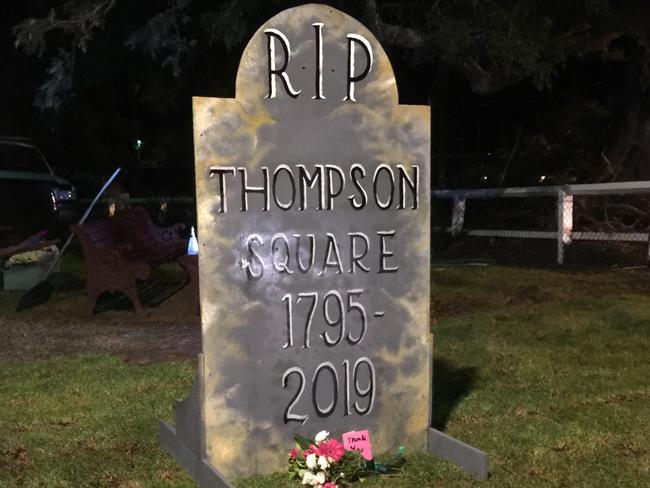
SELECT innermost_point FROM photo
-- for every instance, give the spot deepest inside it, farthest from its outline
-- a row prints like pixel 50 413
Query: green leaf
pixel 303 442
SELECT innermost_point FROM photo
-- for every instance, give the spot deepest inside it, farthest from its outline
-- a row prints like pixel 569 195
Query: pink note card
pixel 358 441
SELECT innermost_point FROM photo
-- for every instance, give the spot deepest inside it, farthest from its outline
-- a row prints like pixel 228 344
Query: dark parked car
pixel 32 197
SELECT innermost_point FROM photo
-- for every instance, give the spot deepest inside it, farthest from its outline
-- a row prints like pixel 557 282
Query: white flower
pixel 311 461
pixel 322 462
pixel 320 477
pixel 321 436
pixel 308 478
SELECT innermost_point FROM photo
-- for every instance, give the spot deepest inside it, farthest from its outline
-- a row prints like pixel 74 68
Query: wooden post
pixel 458 215
pixel 564 223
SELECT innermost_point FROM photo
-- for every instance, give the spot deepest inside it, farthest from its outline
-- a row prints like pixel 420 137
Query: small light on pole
pixel 139 143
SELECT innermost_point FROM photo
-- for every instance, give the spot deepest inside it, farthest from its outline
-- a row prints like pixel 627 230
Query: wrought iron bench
pixel 122 249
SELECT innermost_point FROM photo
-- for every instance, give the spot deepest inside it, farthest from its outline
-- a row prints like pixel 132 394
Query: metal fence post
pixel 564 223
pixel 458 215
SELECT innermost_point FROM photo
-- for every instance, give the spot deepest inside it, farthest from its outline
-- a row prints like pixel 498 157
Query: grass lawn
pixel 547 371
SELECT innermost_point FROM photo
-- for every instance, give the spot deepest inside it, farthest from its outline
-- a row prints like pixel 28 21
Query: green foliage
pixel 227 25
pixel 303 442
pixel 72 24
pixel 76 20
pixel 494 42
pixel 352 469
pixel 163 39
pixel 506 41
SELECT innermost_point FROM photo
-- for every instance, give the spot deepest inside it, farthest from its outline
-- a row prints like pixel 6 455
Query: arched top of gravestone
pixel 303 28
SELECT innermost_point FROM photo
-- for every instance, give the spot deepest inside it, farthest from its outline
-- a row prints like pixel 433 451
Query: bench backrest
pixel 131 227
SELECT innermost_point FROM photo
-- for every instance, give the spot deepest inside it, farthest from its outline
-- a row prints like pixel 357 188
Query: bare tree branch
pixel 483 82
pixel 506 167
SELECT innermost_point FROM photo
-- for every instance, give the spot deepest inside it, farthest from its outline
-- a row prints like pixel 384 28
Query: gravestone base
pixel 186 442
pixel 198 467
pixel 470 459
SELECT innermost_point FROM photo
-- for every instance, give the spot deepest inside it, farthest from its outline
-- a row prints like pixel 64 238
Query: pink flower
pixel 331 449
pixel 294 453
pixel 312 450
pixel 329 484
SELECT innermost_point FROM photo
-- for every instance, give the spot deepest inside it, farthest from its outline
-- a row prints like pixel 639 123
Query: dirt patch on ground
pixel 170 331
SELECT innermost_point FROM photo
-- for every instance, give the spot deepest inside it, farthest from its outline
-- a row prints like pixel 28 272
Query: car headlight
pixel 60 195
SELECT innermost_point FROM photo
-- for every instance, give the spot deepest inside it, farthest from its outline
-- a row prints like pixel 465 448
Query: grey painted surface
pixel 471 460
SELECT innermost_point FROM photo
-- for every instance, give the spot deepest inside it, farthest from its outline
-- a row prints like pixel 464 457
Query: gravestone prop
pixel 313 222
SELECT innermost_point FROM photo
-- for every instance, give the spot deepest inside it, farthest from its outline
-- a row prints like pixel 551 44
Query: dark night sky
pixel 18 76
pixel 88 140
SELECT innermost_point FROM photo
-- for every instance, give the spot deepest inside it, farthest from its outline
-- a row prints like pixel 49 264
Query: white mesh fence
pixel 565 213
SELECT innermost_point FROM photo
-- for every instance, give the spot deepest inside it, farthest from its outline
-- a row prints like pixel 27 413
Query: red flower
pixel 294 453
pixel 331 449
pixel 312 450
pixel 329 484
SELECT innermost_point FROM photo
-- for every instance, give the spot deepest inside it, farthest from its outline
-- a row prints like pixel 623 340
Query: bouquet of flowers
pixel 324 463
